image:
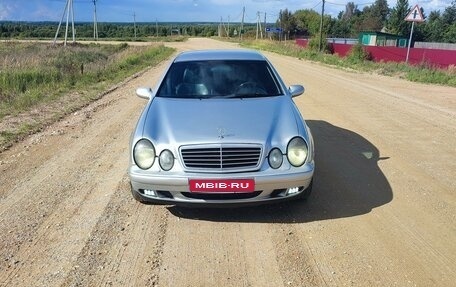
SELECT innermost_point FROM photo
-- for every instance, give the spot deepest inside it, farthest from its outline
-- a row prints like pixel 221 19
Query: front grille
pixel 221 157
pixel 221 196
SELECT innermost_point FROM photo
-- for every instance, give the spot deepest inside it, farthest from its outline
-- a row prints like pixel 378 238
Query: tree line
pixel 9 29
pixel 438 27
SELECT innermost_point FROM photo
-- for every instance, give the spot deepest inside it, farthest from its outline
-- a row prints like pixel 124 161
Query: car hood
pixel 271 120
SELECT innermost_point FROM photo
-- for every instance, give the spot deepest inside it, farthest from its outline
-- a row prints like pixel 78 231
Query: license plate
pixel 222 185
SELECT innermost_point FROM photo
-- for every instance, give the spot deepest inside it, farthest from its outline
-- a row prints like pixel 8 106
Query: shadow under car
pixel 347 182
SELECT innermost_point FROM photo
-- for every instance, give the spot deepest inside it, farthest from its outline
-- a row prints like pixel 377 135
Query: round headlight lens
pixel 275 158
pixel 297 151
pixel 144 154
pixel 166 160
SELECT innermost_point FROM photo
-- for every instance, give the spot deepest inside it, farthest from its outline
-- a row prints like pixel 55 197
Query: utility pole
pixel 68 10
pixel 281 26
pixel 321 25
pixel 156 26
pixel 72 22
pixel 264 25
pixel 258 22
pixel 242 24
pixel 134 21
pixel 259 28
pixel 220 27
pixel 95 24
pixel 228 34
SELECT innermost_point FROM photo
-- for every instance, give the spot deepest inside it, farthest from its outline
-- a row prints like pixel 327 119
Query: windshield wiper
pixel 253 95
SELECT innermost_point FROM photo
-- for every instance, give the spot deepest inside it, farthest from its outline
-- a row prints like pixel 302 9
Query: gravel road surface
pixel 382 212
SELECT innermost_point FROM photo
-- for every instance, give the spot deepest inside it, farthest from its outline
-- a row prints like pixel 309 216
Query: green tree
pixel 375 16
pixel 434 28
pixel 449 15
pixel 397 24
pixel 449 21
pixel 450 34
pixel 308 21
pixel 287 22
pixel 351 10
pixel 340 28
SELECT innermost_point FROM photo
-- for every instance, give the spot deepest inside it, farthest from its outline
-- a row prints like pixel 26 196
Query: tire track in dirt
pixel 257 246
pixel 77 195
pixel 411 125
pixel 68 219
pixel 65 190
pixel 294 258
pixel 125 246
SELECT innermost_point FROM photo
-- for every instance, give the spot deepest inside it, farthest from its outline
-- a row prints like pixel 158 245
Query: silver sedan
pixel 220 129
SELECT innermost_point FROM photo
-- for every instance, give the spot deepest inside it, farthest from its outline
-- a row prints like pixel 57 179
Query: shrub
pixel 314 44
pixel 358 54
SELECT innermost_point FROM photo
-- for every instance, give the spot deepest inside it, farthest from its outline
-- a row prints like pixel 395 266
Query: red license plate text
pixel 222 185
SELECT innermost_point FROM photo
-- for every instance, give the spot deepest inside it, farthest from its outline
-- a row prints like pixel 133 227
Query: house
pixel 382 39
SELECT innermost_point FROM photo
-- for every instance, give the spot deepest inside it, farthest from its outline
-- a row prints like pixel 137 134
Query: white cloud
pixel 6 10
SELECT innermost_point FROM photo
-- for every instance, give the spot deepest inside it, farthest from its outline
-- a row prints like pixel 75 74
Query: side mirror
pixel 144 93
pixel 296 90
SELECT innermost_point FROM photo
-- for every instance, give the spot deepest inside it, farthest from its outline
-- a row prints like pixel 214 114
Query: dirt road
pixel 382 213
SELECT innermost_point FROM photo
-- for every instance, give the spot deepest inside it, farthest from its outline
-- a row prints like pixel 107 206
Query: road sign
pixel 274 30
pixel 415 15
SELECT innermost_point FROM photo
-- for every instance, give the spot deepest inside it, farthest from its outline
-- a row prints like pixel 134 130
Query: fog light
pixel 292 190
pixel 150 192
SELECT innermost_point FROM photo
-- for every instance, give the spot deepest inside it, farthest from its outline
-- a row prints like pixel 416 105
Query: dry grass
pixel 56 80
pixel 31 73
pixel 452 69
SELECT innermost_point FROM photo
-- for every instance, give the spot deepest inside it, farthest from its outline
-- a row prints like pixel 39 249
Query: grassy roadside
pixel 420 73
pixel 40 83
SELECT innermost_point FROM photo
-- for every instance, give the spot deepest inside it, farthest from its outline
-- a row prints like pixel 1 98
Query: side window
pixel 172 78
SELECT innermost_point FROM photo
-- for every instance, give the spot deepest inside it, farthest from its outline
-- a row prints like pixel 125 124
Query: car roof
pixel 207 55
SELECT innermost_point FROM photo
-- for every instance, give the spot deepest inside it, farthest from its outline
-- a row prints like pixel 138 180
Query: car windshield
pixel 219 79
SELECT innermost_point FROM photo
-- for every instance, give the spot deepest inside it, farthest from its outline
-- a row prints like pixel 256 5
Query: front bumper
pixel 272 186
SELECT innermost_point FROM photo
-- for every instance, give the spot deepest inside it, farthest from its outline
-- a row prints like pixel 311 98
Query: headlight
pixel 144 154
pixel 297 151
pixel 275 158
pixel 166 160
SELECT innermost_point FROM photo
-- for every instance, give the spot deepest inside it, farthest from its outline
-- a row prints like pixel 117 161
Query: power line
pixel 338 4
pixel 315 5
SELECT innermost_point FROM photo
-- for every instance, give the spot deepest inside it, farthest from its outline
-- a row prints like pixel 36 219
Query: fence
pixel 435 57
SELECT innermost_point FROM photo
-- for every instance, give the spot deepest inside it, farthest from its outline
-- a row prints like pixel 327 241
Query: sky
pixel 180 10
